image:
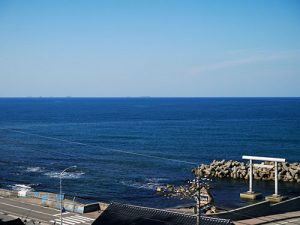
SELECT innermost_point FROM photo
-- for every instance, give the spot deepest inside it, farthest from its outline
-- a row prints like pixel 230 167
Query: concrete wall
pixel 289 205
pixel 260 209
pixel 53 200
pixel 79 209
pixel 91 207
pixel 8 194
pixel 45 196
pixel 246 212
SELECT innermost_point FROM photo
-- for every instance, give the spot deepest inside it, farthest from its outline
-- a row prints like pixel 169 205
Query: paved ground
pixel 12 208
pixel 6 217
pixel 292 218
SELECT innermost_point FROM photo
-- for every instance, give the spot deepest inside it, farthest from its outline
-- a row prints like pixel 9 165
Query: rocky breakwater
pixel 288 172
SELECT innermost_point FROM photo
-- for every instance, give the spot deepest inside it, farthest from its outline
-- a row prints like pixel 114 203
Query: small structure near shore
pixel 270 169
pixel 253 195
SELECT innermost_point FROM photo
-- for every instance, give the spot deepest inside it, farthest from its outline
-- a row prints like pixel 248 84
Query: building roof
pixel 123 214
pixel 12 222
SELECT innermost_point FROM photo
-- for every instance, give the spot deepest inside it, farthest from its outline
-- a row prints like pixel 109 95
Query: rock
pixel 218 169
pixel 285 167
pixel 228 163
pixel 293 172
pixel 256 176
pixel 158 189
pixel 213 209
pixel 288 176
pixel 240 170
pixel 294 166
pixel 170 187
pixel 207 172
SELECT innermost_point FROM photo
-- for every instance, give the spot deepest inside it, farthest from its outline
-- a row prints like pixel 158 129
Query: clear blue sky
pixel 149 48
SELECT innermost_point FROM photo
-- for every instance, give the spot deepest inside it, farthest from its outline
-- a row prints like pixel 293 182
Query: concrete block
pixel 91 207
pixel 79 209
pixel 103 206
pixel 69 207
pixel 250 195
pixel 275 198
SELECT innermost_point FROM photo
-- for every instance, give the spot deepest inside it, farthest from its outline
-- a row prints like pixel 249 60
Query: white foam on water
pixel 149 183
pixel 34 169
pixel 66 175
pixel 156 180
pixel 21 187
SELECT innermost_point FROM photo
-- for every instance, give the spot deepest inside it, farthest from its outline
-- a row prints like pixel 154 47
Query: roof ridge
pixel 172 212
pixel 117 212
pixel 164 210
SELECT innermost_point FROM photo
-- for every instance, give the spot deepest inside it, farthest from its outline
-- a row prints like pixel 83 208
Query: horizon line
pixel 149 97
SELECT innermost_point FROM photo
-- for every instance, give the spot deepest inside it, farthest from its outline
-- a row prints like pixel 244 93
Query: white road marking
pixel 79 219
pixel 64 221
pixel 85 218
pixel 63 214
pixel 72 220
pixel 26 209
pixel 30 204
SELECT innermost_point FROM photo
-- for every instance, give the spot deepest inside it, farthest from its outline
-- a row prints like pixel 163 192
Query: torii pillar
pixel 251 195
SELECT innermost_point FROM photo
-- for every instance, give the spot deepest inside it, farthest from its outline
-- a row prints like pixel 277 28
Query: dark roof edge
pixel 180 213
pixel 144 207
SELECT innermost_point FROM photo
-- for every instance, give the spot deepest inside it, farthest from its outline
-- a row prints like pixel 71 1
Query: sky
pixel 157 48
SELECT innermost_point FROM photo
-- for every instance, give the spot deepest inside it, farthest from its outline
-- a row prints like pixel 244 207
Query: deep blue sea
pixel 124 147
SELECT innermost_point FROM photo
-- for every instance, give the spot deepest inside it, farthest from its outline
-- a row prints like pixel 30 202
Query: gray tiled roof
pixel 122 214
pixel 12 222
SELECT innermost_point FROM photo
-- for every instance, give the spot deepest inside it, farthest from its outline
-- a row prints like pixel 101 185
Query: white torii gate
pixel 275 160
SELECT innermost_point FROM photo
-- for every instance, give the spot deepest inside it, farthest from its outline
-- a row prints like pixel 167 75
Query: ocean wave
pixel 149 183
pixel 156 180
pixel 34 169
pixel 66 175
pixel 21 187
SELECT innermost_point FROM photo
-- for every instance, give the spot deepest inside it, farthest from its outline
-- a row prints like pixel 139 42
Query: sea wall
pixel 288 172
pixel 53 200
pixel 259 209
pixel 8 194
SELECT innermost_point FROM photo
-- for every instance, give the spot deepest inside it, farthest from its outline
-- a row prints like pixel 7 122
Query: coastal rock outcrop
pixel 287 172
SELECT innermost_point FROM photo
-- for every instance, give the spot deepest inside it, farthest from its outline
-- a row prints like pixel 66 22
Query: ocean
pixel 125 147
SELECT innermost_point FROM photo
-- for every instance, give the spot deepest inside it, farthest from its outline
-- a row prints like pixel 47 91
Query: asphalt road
pixel 39 214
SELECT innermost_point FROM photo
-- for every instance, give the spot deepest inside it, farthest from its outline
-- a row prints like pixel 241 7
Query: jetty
pixel 287 172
